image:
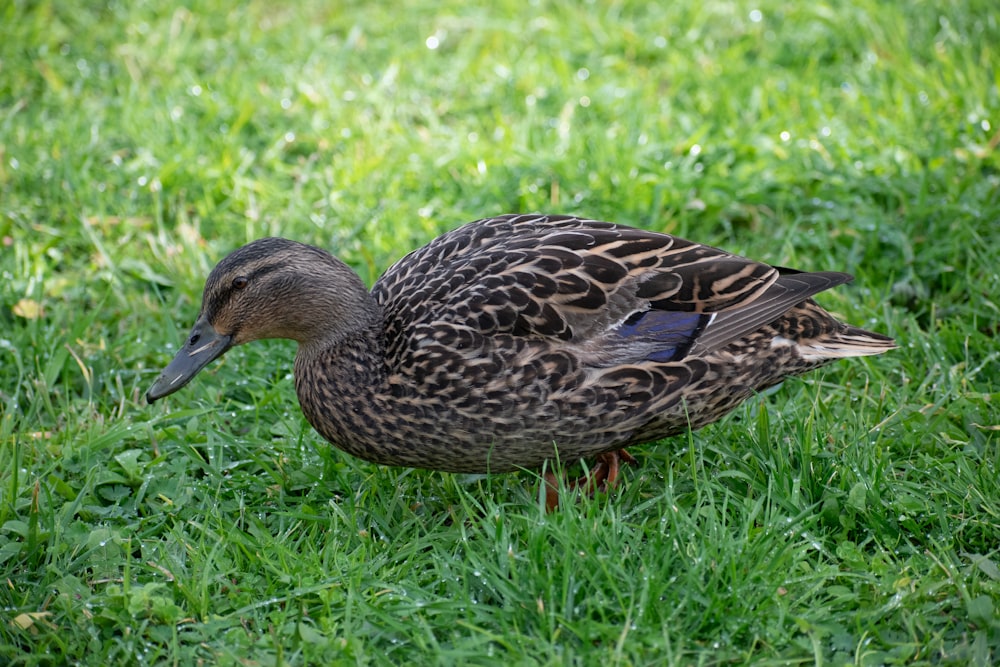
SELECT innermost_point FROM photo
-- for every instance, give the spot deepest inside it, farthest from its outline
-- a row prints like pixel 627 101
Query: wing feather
pixel 580 281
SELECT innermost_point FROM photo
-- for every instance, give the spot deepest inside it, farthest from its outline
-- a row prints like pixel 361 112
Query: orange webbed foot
pixel 602 477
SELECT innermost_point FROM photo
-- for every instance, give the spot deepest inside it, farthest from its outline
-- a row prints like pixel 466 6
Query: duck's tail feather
pixel 846 342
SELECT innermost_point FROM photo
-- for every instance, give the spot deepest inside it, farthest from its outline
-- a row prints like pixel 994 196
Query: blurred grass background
pixel 853 517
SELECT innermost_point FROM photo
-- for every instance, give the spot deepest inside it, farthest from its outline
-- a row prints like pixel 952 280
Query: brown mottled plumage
pixel 515 340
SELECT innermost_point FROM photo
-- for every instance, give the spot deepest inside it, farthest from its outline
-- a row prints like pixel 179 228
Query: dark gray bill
pixel 202 346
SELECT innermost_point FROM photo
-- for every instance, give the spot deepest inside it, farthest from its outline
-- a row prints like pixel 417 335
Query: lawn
pixel 850 517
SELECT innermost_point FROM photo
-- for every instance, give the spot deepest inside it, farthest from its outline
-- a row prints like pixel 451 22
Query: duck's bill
pixel 203 346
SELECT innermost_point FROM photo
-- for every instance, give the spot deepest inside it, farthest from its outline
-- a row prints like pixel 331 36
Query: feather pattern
pixel 515 340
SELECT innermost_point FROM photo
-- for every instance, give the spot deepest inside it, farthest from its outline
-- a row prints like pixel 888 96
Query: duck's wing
pixel 614 293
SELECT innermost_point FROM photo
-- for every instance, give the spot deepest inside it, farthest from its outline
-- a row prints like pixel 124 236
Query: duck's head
pixel 270 288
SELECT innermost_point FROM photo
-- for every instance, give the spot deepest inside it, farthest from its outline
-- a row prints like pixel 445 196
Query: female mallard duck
pixel 518 340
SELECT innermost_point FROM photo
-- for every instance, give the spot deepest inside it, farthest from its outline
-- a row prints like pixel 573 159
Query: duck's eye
pixel 239 282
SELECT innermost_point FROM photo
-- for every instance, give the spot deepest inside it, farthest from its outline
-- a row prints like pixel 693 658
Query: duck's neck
pixel 337 384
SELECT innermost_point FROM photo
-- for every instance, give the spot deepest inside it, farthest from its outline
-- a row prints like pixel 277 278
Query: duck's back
pixel 557 277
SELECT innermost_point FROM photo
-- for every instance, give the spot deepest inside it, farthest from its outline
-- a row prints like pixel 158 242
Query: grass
pixel 852 517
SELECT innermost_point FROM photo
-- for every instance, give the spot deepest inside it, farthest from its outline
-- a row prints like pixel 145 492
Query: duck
pixel 521 341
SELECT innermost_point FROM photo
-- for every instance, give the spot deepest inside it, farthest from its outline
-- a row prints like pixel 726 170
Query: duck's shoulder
pixel 497 244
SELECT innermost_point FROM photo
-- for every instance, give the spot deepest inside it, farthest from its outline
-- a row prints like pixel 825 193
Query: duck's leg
pixel 603 477
pixel 551 492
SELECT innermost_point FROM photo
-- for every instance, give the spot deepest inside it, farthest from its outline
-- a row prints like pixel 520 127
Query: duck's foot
pixel 603 477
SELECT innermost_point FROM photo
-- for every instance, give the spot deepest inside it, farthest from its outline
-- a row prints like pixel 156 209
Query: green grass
pixel 852 517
